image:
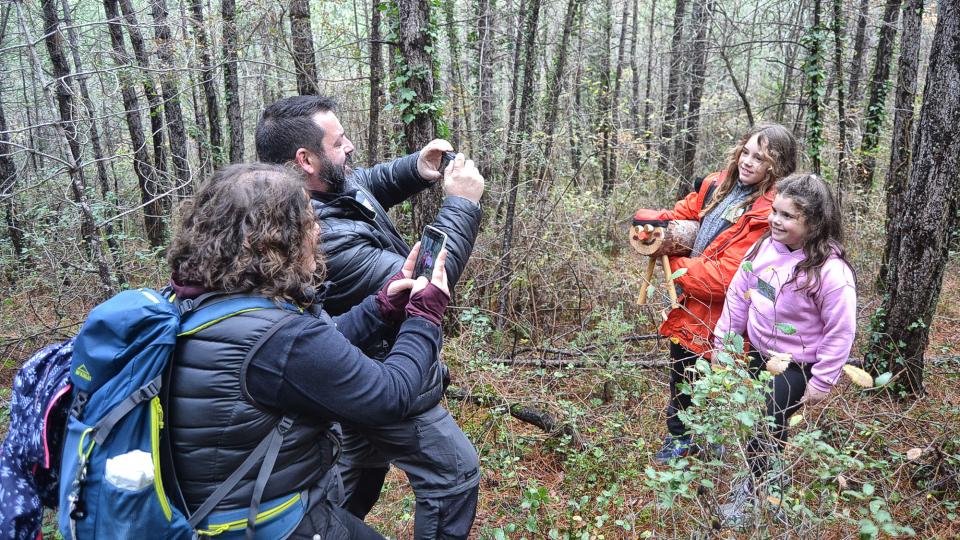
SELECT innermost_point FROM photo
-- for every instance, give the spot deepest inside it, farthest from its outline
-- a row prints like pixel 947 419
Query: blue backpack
pixel 120 359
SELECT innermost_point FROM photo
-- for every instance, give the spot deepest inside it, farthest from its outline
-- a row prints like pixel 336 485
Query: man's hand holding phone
pixel 462 179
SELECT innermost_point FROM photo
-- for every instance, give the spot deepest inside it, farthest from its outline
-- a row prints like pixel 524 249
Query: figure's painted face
pixel 753 164
pixel 787 224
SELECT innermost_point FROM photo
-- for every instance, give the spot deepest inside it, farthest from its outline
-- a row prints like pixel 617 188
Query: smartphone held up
pixel 431 244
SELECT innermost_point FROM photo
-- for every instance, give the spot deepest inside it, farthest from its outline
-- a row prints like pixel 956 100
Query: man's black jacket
pixel 360 242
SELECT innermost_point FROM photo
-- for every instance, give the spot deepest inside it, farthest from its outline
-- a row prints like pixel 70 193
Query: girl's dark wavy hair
pixel 821 215
pixel 245 230
pixel 781 149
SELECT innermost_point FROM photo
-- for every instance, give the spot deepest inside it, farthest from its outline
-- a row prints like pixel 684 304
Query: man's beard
pixel 335 177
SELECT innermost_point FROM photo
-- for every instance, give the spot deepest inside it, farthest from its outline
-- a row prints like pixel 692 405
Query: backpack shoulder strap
pixel 211 308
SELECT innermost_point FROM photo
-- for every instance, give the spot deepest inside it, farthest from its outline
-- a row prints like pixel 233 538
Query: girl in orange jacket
pixel 732 207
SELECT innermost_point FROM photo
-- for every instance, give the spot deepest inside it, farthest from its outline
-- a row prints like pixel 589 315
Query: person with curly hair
pixel 250 230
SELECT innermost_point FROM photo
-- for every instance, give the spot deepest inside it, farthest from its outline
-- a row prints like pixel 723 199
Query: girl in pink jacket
pixel 794 294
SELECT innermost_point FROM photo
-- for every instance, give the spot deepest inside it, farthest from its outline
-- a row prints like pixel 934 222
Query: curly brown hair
pixel 821 215
pixel 781 149
pixel 247 230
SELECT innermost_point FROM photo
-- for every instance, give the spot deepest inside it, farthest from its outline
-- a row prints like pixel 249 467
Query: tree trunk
pixel 532 19
pixel 674 91
pixel 199 134
pixel 906 92
pixel 647 102
pixel 842 146
pixel 301 45
pixel 67 130
pixel 418 112
pixel 604 105
pixel 854 92
pixel 634 70
pixel 376 86
pixel 515 77
pixel 459 119
pixel 485 65
pixel 859 48
pixel 146 175
pixel 8 184
pixel 873 120
pixel 102 181
pixel 231 79
pixel 814 68
pixel 208 81
pixel 153 100
pixel 701 20
pixel 617 85
pixel 554 89
pixel 170 89
pixel 928 215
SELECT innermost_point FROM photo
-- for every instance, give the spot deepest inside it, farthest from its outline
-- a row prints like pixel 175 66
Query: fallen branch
pixel 646 361
pixel 524 413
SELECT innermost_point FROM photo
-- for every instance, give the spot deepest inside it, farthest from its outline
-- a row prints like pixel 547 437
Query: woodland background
pixel 577 113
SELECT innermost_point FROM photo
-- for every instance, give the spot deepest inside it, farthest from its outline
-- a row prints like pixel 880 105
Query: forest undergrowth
pixel 564 396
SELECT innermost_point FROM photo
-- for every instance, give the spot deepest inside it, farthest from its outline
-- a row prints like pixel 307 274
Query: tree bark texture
pixel 142 61
pixel 648 79
pixel 701 20
pixel 376 86
pixel 814 68
pixel 901 139
pixel 153 222
pixel 485 66
pixel 671 104
pixel 842 147
pixel 170 90
pixel 301 41
pixel 928 215
pixel 231 79
pixel 873 120
pixel 419 112
pixel 8 184
pixel 604 103
pixel 208 81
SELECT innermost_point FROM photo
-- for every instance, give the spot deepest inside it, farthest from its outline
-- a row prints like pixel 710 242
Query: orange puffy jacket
pixel 708 276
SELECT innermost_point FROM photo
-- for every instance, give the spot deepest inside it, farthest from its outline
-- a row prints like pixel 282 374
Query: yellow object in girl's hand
pixel 778 362
pixel 858 376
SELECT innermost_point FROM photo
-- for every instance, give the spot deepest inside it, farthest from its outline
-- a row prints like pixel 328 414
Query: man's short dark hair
pixel 287 125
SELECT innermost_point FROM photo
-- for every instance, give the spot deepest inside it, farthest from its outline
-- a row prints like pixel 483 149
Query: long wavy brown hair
pixel 780 148
pixel 247 229
pixel 821 216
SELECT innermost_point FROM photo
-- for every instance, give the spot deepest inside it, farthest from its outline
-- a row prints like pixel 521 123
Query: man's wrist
pixel 476 204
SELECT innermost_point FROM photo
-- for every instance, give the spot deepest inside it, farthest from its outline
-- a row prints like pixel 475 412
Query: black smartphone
pixel 431 243
pixel 446 159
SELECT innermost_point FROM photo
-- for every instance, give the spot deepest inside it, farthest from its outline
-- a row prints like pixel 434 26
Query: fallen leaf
pixel 841 482
pixel 858 376
pixel 914 453
pixel 796 419
pixel 775 501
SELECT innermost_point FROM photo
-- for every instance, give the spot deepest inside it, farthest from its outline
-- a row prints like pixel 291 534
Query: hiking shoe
pixel 738 513
pixel 675 448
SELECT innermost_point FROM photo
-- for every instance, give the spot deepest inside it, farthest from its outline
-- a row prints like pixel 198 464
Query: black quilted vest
pixel 215 425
